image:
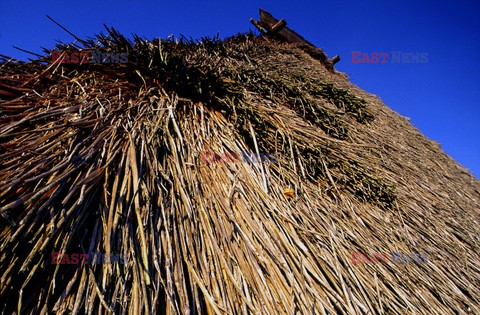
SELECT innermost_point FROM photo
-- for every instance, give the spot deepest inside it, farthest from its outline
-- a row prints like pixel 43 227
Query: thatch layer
pixel 108 158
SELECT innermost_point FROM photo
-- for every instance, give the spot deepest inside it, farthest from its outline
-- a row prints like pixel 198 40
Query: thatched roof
pixel 108 158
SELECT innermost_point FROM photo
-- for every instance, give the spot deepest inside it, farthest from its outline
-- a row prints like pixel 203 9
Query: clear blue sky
pixel 442 96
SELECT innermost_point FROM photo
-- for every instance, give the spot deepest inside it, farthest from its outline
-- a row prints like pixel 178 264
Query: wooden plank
pixel 270 26
pixel 268 22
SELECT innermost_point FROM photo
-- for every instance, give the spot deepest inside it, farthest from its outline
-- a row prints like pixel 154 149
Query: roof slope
pixel 108 158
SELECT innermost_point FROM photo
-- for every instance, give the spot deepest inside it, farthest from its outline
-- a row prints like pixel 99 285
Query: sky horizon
pixel 440 95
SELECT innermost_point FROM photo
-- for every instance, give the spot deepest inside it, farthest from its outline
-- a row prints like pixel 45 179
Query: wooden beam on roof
pixel 278 27
pixel 270 26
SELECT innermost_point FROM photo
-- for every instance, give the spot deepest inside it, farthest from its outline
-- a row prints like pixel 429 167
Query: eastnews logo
pixel 384 57
pixel 397 258
pixel 90 258
pixel 242 157
pixel 79 57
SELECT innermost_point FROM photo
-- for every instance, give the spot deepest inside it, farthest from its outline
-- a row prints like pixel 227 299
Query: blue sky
pixel 441 96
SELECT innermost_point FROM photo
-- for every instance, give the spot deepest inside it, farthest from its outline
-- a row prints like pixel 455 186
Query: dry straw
pixel 107 158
